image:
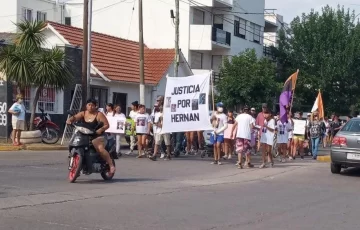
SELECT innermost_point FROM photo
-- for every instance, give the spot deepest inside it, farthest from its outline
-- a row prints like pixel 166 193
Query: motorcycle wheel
pixel 53 137
pixel 75 168
pixel 106 175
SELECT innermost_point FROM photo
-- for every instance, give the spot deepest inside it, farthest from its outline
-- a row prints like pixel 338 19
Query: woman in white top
pixel 142 123
pixel 283 128
pixel 118 136
pixel 291 134
pixel 267 138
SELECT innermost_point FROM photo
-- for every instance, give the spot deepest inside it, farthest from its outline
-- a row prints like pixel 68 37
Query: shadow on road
pixel 116 180
pixel 354 172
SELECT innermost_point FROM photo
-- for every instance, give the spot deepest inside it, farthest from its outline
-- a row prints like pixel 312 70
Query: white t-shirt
pixel 267 137
pixel 244 122
pixel 142 123
pixel 221 122
pixel 121 115
pixel 283 132
pixel 157 117
pixel 20 108
pixel 133 114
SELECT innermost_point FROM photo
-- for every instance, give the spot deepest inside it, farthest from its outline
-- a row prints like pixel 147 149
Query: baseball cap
pixel 252 109
pixel 219 104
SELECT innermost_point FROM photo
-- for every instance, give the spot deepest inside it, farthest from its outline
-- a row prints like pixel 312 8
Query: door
pixel 120 99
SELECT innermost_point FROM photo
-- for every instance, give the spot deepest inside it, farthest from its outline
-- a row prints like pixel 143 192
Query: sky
pixel 292 8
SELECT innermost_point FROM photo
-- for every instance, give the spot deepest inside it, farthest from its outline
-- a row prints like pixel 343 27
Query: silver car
pixel 345 147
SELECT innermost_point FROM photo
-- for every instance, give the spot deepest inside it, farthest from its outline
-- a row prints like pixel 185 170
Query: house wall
pixel 13 8
pixel 159 28
pixel 10 11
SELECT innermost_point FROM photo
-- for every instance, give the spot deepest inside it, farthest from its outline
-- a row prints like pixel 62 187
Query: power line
pixel 202 6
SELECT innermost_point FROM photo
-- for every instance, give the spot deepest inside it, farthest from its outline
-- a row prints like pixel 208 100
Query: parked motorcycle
pixel 83 157
pixel 50 132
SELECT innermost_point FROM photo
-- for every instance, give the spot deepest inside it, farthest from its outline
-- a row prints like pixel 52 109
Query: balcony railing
pixel 220 36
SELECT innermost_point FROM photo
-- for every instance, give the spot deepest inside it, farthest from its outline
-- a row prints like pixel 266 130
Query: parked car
pixel 345 147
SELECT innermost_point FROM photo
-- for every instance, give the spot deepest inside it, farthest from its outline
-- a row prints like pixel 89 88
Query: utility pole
pixel 85 53
pixel 141 54
pixel 88 72
pixel 177 22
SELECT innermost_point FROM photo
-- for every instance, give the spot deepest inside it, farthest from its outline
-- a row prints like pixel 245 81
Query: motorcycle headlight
pixel 84 130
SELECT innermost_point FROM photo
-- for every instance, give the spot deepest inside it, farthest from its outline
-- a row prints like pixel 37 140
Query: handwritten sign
pixel 299 127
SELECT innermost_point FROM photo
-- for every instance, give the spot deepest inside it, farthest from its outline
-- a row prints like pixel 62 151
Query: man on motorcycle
pixel 93 119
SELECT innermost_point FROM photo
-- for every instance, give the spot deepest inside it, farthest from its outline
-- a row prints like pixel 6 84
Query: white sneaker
pixel 186 153
pixel 129 153
pixel 219 163
pixel 229 157
pixel 162 156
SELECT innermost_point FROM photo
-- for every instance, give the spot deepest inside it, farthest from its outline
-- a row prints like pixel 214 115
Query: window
pixel 196 60
pixel 240 27
pixel 26 96
pixel 41 16
pixel 216 62
pixel 27 14
pixel 101 95
pixel 68 21
pixel 257 32
pixel 199 17
pixel 352 126
pixel 47 99
pixel 219 21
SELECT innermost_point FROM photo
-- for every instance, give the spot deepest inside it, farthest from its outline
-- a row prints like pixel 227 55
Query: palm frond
pixel 51 70
pixel 31 35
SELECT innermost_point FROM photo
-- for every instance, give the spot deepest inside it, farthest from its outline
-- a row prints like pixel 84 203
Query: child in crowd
pixel 267 138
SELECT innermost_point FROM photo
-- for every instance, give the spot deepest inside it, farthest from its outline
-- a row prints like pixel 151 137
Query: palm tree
pixel 28 64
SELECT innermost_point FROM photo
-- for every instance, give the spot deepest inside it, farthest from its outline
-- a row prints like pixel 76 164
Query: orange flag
pixel 318 106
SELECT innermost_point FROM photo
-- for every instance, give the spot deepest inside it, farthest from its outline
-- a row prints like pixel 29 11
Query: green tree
pixel 28 64
pixel 326 48
pixel 247 80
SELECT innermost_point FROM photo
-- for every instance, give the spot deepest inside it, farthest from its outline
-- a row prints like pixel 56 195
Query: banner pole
pixel 293 93
pixel 212 90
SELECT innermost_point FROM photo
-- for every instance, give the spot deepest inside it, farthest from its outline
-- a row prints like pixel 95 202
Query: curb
pixel 46 148
pixel 324 158
pixel 9 148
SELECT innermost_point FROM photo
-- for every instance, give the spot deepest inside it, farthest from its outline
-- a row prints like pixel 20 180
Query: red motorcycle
pixel 49 130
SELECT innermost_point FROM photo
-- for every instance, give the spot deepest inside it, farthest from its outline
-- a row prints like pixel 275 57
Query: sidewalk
pixel 324 154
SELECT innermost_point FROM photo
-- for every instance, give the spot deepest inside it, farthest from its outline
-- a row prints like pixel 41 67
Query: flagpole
pixel 293 93
pixel 212 90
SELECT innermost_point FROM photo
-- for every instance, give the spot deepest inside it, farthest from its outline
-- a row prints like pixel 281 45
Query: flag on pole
pixel 318 106
pixel 286 95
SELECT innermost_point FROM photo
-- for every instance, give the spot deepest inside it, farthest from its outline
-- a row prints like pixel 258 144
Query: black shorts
pixel 141 134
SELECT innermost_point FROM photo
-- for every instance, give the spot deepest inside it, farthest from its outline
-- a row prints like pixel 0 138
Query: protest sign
pixel 299 127
pixel 117 124
pixel 186 105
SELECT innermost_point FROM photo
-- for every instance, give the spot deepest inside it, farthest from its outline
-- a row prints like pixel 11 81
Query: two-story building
pixel 209 29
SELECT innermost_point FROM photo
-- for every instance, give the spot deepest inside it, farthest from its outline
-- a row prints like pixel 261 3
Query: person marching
pixel 283 128
pixel 143 125
pixel 219 122
pixel 132 115
pixel 267 138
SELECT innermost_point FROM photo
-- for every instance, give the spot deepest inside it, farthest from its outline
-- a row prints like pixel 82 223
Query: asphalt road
pixel 185 193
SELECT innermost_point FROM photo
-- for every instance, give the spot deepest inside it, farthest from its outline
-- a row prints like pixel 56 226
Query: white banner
pixel 299 127
pixel 186 104
pixel 117 124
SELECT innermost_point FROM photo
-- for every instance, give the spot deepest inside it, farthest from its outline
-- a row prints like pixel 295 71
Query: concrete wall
pixel 13 12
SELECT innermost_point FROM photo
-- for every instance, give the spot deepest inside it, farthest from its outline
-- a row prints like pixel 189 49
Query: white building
pixel 209 29
pixel 273 24
pixel 14 11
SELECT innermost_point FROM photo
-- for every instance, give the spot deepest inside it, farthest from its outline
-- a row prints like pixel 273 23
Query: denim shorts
pixel 216 138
